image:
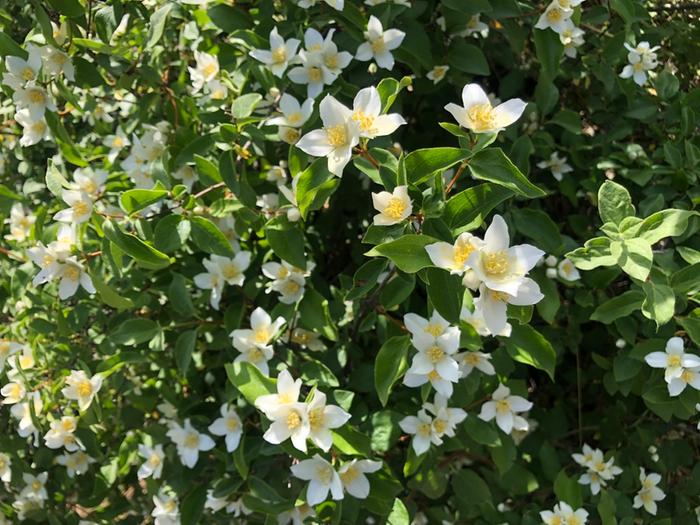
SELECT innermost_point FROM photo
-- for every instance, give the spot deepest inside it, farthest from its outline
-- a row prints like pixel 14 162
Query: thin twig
pixel 457 175
pixel 210 188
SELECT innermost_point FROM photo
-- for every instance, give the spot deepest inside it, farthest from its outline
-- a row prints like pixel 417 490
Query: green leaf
pixel 157 24
pixel 468 209
pixel 692 327
pixel 389 88
pixel 492 165
pixel 287 241
pixel 244 105
pixel 207 171
pixel 538 226
pixel 314 186
pixel 482 432
pixel 137 199
pixel 467 58
pixel 192 506
pixel 549 51
pixel 209 238
pixel 249 381
pixel 569 120
pixel 659 303
pixel 390 364
pixel 108 295
pixel 229 18
pixel 135 331
pixel 620 306
pixel 63 139
pixel 184 346
pixel 478 493
pixel 70 8
pixel 568 490
pixel 606 508
pixel 662 224
pixel 634 256
pixel 171 232
pixel 614 202
pixel 143 253
pixel 594 253
pixel 407 252
pixel 445 292
pixel 9 47
pixel 527 345
pixel 55 181
pixel 398 515
pixel 687 280
pixel 422 163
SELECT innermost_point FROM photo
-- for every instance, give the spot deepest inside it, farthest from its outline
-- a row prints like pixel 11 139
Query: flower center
pixel 435 354
pixel 36 96
pixel 294 118
pixel 230 271
pixel 502 406
pixel 471 359
pixel 496 263
pixel 349 475
pixel 293 421
pixel 639 66
pixel 68 425
pixel 555 15
pixel 38 127
pixel 687 376
pixel 279 55
pixel 324 473
pixel 231 424
pixel 81 208
pixel 366 122
pixel 337 135
pixel 314 74
pixel 291 135
pixel 154 460
pixel 433 375
pixel 423 429
pixel 440 425
pixel 28 73
pixel 170 506
pixel 84 388
pixel 462 253
pixel 395 208
pixel 36 485
pixel 255 355
pixel 331 61
pixel 433 329
pixel 316 418
pixel 262 335
pixel 192 440
pixel 481 117
pixel 210 70
pixel 292 287
pixel 72 274
pixel 378 46
pixel 673 361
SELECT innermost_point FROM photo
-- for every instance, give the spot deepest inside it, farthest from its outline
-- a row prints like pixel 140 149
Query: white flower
pixel 673 360
pixel 80 207
pixel 312 73
pixel 568 271
pixel 421 426
pixel 479 115
pixel 228 425
pixel 289 417
pixel 212 280
pixel 572 38
pixel 438 73
pixel 689 376
pixel 166 511
pixel 90 181
pixel 206 69
pixel 393 208
pixel 19 71
pixel 472 359
pixel 5 468
pixel 556 165
pixel 82 388
pixel 254 343
pixel 445 419
pixel 280 55
pixel 564 514
pixel 187 175
pixel 189 442
pixel 599 471
pixel 76 463
pixel 323 418
pixel 322 479
pixel 296 516
pixel 352 476
pixel 7 349
pixel 307 339
pixel 33 130
pixel 366 111
pixel 337 138
pixel 21 223
pixel 153 464
pixel 379 44
pixel 33 98
pixel 555 17
pixel 332 60
pixel 505 408
pixel 34 486
pixel 12 393
pixel 475 27
pixel 23 413
pixel 641 59
pixel 72 274
pixel 287 393
pixel 232 270
pixel 62 434
pixel 649 494
pixel 435 363
pixel 288 281
pixel 56 62
pixel 335 4
pixel 294 115
pixel 454 257
pixel 422 329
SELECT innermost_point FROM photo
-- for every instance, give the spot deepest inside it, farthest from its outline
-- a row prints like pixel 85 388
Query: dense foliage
pixel 326 261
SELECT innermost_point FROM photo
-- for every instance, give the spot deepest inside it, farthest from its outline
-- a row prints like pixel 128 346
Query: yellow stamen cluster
pixel 395 208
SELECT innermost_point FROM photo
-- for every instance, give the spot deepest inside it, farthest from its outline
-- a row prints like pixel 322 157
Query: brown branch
pixel 210 188
pixel 367 155
pixel 457 175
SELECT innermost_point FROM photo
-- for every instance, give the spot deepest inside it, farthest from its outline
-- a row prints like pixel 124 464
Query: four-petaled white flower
pixel 82 388
pixel 421 427
pixel 454 257
pixel 472 359
pixel 206 69
pixel 293 116
pixel 641 59
pixel 505 407
pixel 393 208
pixel 435 363
pixel 322 479
pixel 166 511
pixel 322 418
pixel 339 135
pixel 556 17
pixel 379 44
pixel 478 114
pixel 437 73
pixel 567 271
pixel 80 209
pixel 352 475
pixel 153 464
pixel 599 471
pixel 280 55
pixel 556 165
pixel 254 343
pixel 228 425
pixel 366 111
pixel 564 514
pixel 650 493
pixel 680 369
pixel 76 463
pixel 189 442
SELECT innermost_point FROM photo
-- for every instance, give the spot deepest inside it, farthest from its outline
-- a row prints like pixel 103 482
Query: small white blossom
pixel 82 388
pixel 478 114
pixel 190 442
pixel 393 208
pixel 379 44
pixel 505 407
pixel 322 479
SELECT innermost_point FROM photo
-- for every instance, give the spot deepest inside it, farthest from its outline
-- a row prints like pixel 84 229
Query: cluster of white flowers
pixel 599 471
pixel 564 514
pixel 641 60
pixel 680 369
pixel 649 493
pixel 204 76
pixel 433 422
pixel 287 280
pixel 498 271
pixel 221 271
pixel 557 17
pixel 255 343
pixel 563 269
